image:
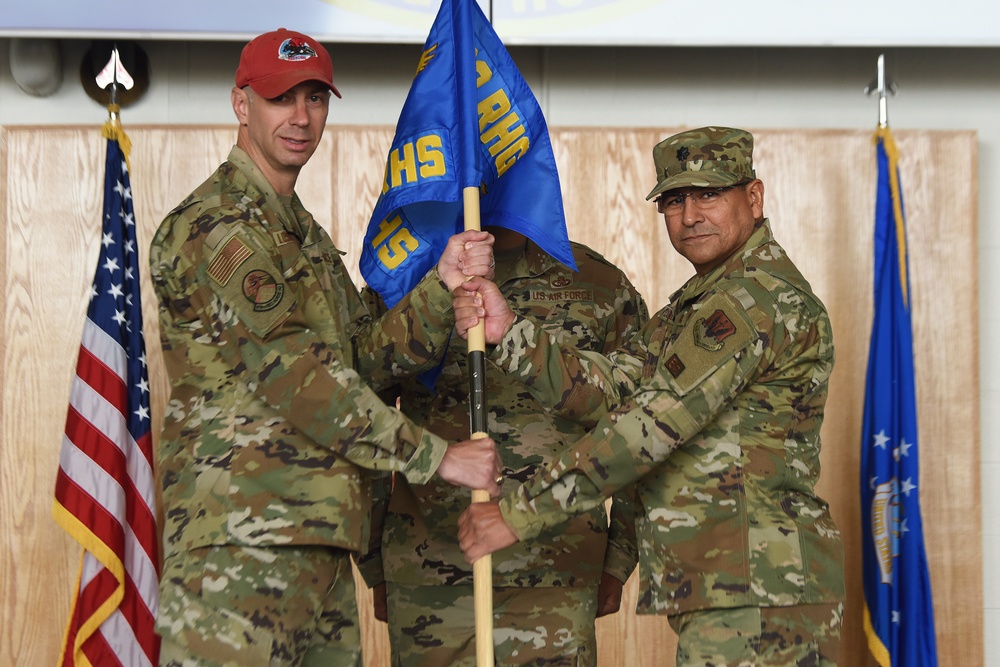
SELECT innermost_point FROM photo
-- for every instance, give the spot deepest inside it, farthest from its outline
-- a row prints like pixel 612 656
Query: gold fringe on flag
pixel 112 129
pixel 885 135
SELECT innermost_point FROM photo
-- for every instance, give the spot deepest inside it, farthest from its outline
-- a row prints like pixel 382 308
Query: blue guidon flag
pixel 470 120
pixel 899 610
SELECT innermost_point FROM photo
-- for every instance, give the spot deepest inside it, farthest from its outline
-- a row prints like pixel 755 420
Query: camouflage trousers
pixel 797 636
pixel 269 607
pixel 434 626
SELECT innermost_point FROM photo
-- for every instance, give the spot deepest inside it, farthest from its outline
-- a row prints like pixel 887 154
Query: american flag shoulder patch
pixel 227 259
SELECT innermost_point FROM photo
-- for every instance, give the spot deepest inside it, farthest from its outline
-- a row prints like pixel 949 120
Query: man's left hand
pixel 467 255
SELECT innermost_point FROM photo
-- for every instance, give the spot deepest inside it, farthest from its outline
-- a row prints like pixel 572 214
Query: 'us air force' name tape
pixel 569 294
pixel 429 157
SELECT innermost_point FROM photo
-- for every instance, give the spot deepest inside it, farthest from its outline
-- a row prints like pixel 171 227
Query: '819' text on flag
pixel 105 494
pixel 470 120
pixel 899 611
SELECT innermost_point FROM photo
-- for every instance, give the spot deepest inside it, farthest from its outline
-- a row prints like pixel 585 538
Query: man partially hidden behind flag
pixel 899 613
pixel 104 495
pixel 470 120
pixel 470 125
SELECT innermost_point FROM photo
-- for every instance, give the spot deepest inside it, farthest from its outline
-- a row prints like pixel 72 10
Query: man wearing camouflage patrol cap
pixel 270 436
pixel 713 412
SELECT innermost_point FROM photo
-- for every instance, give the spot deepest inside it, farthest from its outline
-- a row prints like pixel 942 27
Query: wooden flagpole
pixel 482 569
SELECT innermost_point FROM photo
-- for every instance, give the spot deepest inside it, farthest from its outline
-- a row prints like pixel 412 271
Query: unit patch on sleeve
pixel 262 290
pixel 711 331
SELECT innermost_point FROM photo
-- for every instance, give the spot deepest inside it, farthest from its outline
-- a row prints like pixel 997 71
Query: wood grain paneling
pixel 819 196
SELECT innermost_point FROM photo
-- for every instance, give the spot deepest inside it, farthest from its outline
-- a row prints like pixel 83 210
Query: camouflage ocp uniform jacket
pixel 269 426
pixel 595 308
pixel 713 412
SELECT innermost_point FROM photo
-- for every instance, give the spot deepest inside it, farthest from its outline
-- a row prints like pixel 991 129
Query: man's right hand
pixel 474 464
pixel 481 299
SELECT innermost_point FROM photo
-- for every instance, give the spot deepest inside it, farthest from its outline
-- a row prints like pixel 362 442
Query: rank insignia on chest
pixel 281 237
pixel 711 332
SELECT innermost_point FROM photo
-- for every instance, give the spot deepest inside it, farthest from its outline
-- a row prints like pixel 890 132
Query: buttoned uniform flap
pixel 717 330
pixel 246 278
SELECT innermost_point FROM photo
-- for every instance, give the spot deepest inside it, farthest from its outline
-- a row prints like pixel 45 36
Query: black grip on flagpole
pixel 477 391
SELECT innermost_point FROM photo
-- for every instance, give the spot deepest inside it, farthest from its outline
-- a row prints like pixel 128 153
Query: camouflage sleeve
pixel 622 554
pixel 668 409
pixel 408 339
pixel 369 562
pixel 579 385
pixel 255 321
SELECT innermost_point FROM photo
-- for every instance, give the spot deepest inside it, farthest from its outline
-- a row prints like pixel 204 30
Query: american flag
pixel 105 494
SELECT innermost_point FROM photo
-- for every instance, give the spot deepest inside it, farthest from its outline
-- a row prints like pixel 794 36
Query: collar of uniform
pixel 305 230
pixel 698 285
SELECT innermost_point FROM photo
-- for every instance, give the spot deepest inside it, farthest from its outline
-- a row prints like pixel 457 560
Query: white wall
pixel 939 88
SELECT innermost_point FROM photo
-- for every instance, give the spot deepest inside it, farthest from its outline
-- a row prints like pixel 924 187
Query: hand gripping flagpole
pixel 482 569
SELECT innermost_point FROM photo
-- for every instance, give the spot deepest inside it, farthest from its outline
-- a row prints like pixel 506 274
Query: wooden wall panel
pixel 819 195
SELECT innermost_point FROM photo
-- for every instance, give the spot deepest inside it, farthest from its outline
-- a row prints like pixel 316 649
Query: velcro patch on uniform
pixel 228 259
pixel 713 335
pixel 262 290
pixel 675 365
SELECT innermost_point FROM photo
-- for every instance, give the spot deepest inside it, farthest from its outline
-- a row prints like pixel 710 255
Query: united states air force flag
pixel 899 614
pixel 470 120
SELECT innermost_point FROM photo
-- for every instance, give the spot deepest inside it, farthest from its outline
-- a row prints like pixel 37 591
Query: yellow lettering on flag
pixel 393 243
pixel 414 161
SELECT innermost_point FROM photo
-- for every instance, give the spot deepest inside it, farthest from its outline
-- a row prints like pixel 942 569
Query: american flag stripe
pixel 100 415
pixel 107 532
pixel 105 495
pixel 104 349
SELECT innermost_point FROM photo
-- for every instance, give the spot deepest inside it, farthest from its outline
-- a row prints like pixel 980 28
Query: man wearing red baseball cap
pixel 277 61
pixel 271 435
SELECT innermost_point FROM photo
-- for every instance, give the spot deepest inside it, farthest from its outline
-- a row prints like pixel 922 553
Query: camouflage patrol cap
pixel 708 157
pixel 275 62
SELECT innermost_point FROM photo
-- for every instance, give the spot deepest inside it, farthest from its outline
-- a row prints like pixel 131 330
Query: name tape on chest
pixel 565 294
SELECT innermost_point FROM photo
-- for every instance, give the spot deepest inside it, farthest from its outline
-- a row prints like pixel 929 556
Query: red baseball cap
pixel 275 62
